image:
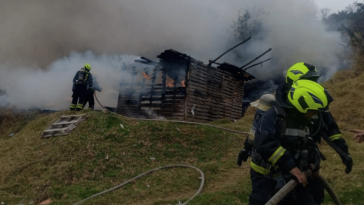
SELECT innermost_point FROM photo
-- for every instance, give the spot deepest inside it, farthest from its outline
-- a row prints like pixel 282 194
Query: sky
pixel 334 5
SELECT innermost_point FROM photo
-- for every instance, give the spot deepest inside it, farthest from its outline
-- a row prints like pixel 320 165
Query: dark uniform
pixel 329 127
pixel 281 135
pixel 286 147
pixel 89 97
pixel 265 102
pixel 322 125
pixel 81 82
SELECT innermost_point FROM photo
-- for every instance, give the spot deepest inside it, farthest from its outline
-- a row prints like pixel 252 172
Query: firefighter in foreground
pixel 81 83
pixel 298 71
pixel 328 128
pixel 325 125
pixel 283 133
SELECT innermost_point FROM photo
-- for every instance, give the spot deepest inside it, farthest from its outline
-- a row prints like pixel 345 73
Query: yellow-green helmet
pixel 307 95
pixel 87 67
pixel 301 70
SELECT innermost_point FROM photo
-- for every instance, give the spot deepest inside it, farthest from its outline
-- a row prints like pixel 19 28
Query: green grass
pixel 99 154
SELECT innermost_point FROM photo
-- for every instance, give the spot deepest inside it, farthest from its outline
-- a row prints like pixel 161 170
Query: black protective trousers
pixel 89 97
pixel 78 96
pixel 264 188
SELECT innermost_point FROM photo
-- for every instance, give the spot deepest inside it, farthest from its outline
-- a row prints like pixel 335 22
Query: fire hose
pixel 285 190
pixel 148 172
pixel 293 183
pixel 168 166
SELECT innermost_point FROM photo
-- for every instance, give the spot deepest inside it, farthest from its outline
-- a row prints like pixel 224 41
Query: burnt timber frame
pixel 210 93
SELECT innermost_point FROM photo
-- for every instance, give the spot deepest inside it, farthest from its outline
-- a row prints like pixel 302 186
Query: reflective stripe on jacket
pixel 272 147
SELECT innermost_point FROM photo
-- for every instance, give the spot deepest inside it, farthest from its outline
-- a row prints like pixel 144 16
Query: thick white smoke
pixel 43 43
pixel 52 88
pixel 296 34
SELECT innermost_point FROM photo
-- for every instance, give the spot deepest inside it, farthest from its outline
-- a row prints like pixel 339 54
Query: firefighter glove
pixel 243 156
pixel 349 163
pixel 347 160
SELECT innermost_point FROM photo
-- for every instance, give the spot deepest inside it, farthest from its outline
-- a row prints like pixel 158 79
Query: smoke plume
pixel 43 43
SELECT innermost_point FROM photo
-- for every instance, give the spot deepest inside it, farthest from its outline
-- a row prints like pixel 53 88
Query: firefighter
pixel 81 83
pixel 283 133
pixel 297 71
pixel 303 70
pixel 90 94
pixel 329 127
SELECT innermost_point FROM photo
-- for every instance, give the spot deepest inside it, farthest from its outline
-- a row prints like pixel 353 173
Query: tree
pixel 248 24
pixel 349 23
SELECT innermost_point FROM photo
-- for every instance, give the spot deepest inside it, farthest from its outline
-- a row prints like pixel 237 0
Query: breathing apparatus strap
pixel 320 121
pixel 281 113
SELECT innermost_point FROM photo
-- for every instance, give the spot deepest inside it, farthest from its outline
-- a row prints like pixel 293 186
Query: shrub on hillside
pixel 8 117
pixel 349 23
pixel 13 120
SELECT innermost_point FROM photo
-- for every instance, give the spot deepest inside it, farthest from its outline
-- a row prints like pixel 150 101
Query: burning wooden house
pixel 182 88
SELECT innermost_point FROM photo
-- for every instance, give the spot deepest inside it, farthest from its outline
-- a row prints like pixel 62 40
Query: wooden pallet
pixel 64 125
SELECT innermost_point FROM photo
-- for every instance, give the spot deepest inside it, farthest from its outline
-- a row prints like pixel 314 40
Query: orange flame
pixel 183 83
pixel 146 76
pixel 169 82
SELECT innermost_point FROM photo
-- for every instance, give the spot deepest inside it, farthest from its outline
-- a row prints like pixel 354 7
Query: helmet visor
pixel 311 75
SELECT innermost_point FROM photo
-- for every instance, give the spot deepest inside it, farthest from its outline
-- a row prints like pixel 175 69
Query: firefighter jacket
pixel 82 77
pixel 251 135
pixel 279 139
pixel 263 104
pixel 326 123
pixel 278 147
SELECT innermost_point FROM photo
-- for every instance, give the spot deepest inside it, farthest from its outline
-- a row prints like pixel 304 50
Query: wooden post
pixel 174 95
pixel 164 79
pixel 152 88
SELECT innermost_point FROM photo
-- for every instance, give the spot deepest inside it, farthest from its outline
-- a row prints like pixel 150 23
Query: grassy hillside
pixel 100 154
